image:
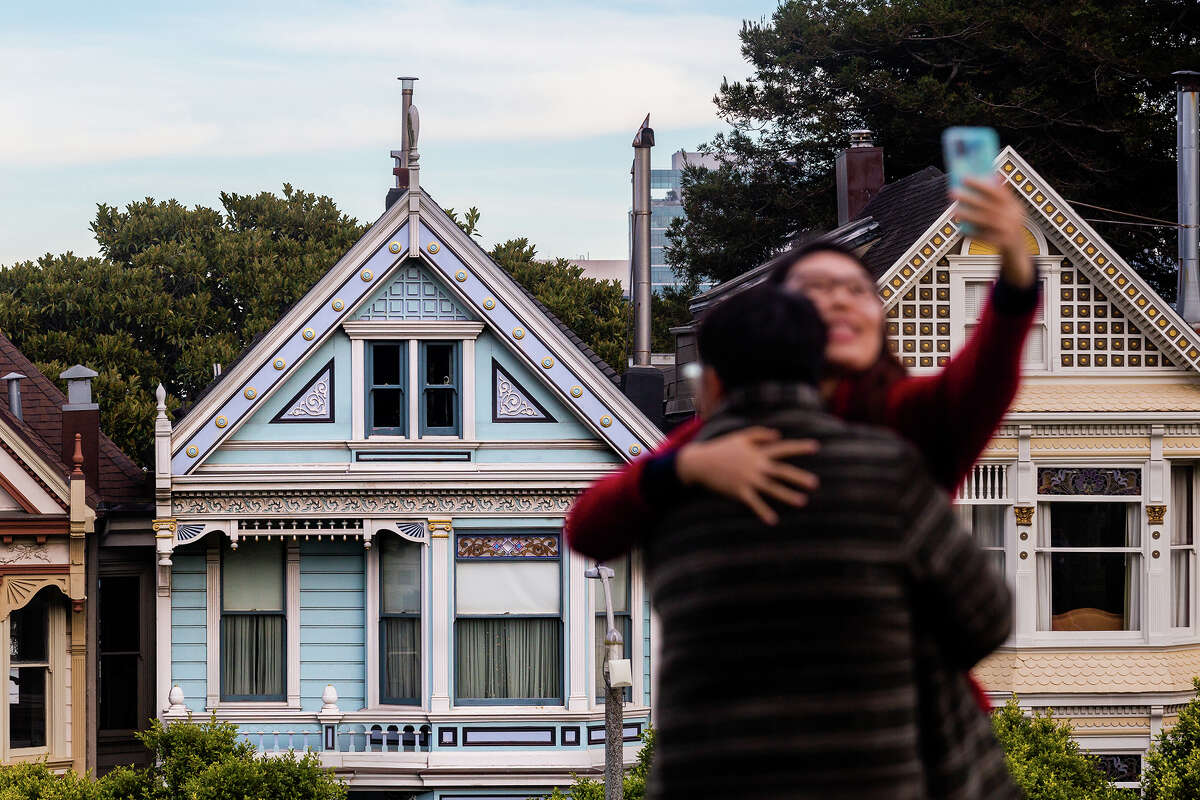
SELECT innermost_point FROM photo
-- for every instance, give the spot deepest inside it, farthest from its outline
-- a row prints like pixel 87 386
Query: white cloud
pixel 245 84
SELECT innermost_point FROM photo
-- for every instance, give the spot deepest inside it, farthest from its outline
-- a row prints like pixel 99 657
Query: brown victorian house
pixel 76 561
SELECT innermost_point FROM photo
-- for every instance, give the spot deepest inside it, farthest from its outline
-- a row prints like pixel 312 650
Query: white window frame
pixel 58 695
pixel 1094 638
pixel 291 626
pixel 362 332
pixel 374 604
pixel 1168 530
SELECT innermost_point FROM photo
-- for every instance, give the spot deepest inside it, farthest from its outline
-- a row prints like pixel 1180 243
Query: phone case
pixel 968 153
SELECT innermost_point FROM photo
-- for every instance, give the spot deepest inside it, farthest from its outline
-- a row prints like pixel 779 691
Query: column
pixel 579 616
pixel 442 607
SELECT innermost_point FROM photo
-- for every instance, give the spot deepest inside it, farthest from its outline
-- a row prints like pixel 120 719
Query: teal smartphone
pixel 968 153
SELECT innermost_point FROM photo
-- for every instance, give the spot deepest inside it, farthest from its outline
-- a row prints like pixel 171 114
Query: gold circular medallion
pixel 337 305
pixel 460 276
pixel 366 275
pixel 518 333
pixel 489 304
pixel 576 391
pixel 634 450
pixel 192 452
pixel 250 393
pixel 394 247
pixel 222 422
pixel 309 334
pixel 434 247
pixel 278 363
pixel 605 421
pixel 547 362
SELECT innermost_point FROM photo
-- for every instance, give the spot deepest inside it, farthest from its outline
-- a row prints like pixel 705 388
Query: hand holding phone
pixel 969 153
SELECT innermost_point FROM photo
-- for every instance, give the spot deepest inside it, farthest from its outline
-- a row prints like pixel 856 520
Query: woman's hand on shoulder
pixel 998 217
pixel 747 465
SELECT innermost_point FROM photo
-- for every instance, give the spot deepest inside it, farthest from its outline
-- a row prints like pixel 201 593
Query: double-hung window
pixel 387 373
pixel 253 650
pixel 508 625
pixel 400 621
pixel 619 587
pixel 1089 568
pixel 29 673
pixel 439 389
pixel 986 525
pixel 1183 547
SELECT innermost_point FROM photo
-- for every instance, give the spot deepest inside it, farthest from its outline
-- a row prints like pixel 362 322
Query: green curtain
pixel 252 655
pixel 401 658
pixel 508 658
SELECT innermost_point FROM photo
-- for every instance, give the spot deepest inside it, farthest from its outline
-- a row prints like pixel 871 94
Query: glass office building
pixel 666 204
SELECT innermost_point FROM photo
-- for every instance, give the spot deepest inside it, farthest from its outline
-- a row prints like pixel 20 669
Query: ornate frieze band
pixel 545 502
pixel 1089 481
pixel 473 546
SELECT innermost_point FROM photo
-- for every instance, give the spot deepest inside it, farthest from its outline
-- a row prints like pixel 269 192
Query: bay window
pixel 29 673
pixel 400 621
pixel 253 651
pixel 619 585
pixel 508 624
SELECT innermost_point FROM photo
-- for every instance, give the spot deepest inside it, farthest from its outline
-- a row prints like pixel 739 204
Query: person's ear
pixel 712 392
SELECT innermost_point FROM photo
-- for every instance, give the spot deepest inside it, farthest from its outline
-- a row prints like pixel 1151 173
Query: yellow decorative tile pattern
pixel 918 327
pixel 1095 333
pixel 1107 397
pixel 1134 669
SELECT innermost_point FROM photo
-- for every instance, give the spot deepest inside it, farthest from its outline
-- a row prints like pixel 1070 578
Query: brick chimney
pixel 859 171
pixel 81 416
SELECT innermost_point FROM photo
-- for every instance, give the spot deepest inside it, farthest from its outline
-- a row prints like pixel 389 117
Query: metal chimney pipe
pixel 640 257
pixel 1187 93
pixel 14 393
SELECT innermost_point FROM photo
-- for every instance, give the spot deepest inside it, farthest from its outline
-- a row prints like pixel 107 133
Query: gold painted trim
pixel 1155 514
pixel 1024 514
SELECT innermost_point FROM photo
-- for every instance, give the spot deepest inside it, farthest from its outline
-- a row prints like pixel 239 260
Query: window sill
pixel 253 705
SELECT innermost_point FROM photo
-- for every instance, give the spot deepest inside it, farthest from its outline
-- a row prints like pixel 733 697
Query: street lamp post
pixel 614 688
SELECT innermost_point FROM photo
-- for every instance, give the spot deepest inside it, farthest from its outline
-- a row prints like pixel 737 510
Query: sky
pixel 527 109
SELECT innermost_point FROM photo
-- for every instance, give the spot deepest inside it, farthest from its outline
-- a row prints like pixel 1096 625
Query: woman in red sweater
pixel 949 416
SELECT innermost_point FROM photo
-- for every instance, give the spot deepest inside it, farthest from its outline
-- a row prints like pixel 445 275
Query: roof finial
pixel 77 458
pixel 160 395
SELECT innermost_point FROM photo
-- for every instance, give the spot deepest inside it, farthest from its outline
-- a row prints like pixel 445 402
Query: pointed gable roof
pixel 121 481
pixel 416 227
pixel 903 209
pixel 1071 233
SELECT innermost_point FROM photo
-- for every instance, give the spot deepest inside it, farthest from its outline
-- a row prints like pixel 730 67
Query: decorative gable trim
pixel 1079 243
pixel 313 403
pixel 412 294
pixel 45 475
pixel 512 402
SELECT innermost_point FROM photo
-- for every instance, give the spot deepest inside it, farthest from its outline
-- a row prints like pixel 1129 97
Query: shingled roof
pixel 903 210
pixel 121 481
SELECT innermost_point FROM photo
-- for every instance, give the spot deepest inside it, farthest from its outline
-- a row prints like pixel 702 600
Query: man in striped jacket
pixel 790 653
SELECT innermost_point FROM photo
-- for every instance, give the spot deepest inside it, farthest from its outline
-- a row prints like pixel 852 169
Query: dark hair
pixel 763 334
pixel 865 398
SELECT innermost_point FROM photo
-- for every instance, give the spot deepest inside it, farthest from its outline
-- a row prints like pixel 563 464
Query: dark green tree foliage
pixel 198 761
pixel 177 290
pixel 1173 765
pixel 1082 89
pixel 1045 762
pixel 594 309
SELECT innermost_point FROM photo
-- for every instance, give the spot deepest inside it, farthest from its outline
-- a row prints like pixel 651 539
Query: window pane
pixel 625 626
pixel 439 364
pixel 1181 505
pixel 252 576
pixel 387 408
pixel 385 364
pixel 1094 525
pixel 401 576
pixel 401 658
pixel 119 613
pixel 507 587
pixel 118 691
pixel 29 630
pixel 1181 588
pixel 1093 591
pixel 27 707
pixel 984 523
pixel 508 658
pixel 439 408
pixel 252 655
pixel 619 585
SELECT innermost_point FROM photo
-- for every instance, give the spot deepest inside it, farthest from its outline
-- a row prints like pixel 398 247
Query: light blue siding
pixel 332 632
pixel 189 667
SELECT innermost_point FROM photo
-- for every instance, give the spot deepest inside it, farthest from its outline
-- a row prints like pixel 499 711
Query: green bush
pixel 1173 763
pixel 194 761
pixel 1045 761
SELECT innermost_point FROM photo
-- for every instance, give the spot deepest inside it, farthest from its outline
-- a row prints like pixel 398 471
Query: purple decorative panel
pixel 1089 480
pixel 521 546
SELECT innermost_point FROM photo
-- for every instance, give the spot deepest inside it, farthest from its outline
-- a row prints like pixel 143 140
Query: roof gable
pixel 1105 270
pixel 415 232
